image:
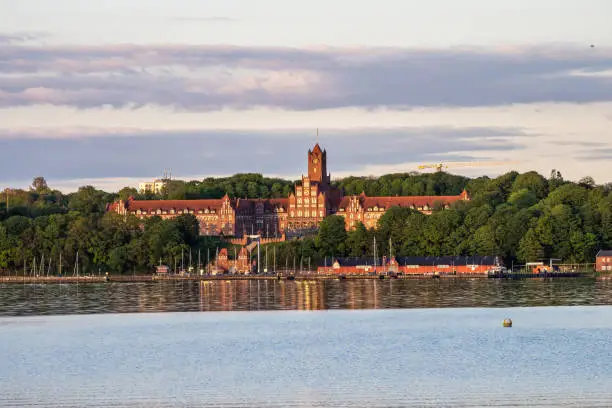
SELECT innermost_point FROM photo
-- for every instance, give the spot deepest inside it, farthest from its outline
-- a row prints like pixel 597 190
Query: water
pixel 403 354
pixel 18 299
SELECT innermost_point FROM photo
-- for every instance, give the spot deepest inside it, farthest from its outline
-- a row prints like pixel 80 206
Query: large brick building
pixel 312 200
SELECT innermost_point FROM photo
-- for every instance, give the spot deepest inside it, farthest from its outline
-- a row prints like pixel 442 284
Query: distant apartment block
pixel 155 186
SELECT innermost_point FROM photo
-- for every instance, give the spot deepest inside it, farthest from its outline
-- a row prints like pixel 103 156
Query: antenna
pixel 317 135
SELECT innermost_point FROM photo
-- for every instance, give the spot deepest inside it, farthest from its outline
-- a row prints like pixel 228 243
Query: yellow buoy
pixel 507 323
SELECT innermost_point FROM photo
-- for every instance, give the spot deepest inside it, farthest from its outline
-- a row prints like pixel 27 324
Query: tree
pixel 533 182
pixel 523 198
pixel 555 180
pixel 530 248
pixel 587 182
pixel 89 200
pixel 39 184
pixel 127 192
pixel 332 236
pixel 189 228
pixel 358 240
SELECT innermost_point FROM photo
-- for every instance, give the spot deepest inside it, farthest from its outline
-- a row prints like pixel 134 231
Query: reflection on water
pixel 18 299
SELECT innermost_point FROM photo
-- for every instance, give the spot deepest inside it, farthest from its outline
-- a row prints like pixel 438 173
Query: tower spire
pixel 317 135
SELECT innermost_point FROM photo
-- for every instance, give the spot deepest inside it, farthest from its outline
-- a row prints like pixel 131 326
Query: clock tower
pixel 317 165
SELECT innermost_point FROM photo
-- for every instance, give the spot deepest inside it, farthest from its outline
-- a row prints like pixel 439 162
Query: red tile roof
pixel 196 205
pixel 401 201
pixel 148 205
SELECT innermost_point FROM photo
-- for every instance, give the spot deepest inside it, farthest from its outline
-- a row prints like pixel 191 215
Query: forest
pixel 519 217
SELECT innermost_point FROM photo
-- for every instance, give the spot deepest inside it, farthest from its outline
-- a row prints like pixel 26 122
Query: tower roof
pixel 317 149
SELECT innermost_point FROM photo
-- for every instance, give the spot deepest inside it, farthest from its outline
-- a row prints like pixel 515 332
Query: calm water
pixel 17 299
pixel 404 355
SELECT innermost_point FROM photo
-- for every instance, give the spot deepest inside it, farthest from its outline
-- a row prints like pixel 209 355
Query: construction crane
pixel 443 166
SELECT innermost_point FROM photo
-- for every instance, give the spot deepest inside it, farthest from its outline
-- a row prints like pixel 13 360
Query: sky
pixel 110 93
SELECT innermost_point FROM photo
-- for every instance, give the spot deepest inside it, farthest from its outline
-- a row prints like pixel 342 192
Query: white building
pixel 152 186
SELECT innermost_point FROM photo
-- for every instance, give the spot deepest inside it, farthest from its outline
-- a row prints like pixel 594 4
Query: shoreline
pixel 284 277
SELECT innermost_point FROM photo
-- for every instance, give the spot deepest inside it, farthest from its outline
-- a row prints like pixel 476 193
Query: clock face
pixel 315 160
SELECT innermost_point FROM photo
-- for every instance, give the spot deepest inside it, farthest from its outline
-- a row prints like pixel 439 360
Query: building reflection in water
pixel 220 295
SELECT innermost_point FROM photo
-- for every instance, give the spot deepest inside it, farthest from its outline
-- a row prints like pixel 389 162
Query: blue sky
pixel 110 93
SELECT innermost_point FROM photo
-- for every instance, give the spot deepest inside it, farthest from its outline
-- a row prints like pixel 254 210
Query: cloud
pixel 145 153
pixel 214 19
pixel 214 77
pixel 596 154
pixel 17 38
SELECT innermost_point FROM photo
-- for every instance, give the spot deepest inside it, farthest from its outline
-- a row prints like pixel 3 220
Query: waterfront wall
pixel 407 269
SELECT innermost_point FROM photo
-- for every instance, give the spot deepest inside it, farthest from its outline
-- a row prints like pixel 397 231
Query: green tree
pixel 358 240
pixel 127 192
pixel 533 182
pixel 39 184
pixel 332 236
pixel 530 248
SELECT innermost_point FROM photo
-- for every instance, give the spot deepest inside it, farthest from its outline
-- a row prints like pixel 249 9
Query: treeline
pixel 257 186
pixel 520 217
pixel 238 186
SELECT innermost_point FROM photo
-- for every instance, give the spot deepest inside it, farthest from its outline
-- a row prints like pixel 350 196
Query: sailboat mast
pixel 374 254
pixel 390 254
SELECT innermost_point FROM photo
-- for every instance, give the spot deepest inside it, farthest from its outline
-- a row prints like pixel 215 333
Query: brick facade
pixel 603 261
pixel 311 201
